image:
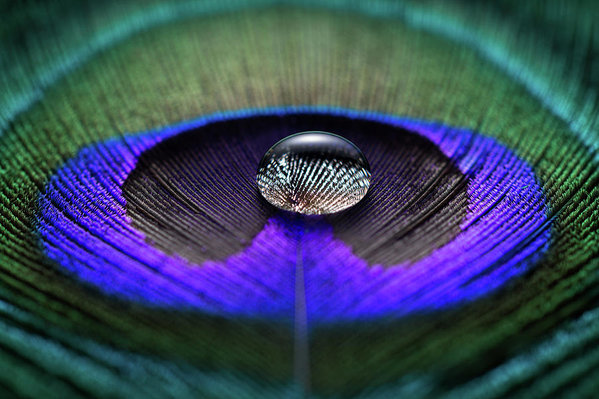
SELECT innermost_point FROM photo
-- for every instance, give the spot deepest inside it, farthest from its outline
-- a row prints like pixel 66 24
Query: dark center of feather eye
pixel 196 193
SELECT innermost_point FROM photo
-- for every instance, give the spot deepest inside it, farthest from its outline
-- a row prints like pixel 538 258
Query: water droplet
pixel 313 173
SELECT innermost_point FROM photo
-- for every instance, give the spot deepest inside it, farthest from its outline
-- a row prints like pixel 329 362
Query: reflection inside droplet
pixel 313 173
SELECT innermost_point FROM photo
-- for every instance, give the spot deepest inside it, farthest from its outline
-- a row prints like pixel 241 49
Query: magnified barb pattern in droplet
pixel 313 173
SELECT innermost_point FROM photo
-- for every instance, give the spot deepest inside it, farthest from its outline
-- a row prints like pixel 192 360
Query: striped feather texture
pixel 139 260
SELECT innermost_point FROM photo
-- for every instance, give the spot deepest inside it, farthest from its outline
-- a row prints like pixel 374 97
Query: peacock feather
pixel 139 260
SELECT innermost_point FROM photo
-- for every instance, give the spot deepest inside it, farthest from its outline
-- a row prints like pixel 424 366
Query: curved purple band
pixel 83 226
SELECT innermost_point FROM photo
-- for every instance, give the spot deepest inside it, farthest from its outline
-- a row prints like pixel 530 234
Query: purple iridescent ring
pixel 86 227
